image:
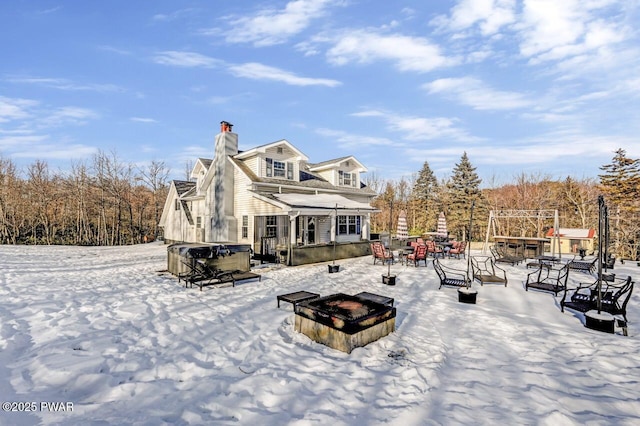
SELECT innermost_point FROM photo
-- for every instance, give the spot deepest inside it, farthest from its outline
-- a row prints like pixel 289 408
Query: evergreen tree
pixel 620 184
pixel 621 179
pixel 424 195
pixel 463 190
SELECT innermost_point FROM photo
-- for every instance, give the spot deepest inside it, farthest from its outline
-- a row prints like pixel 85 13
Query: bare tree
pixel 155 176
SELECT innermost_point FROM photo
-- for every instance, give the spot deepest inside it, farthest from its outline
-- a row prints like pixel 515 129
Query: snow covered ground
pixel 104 329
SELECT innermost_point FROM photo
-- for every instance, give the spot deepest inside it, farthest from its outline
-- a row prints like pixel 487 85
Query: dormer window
pixel 279 169
pixel 346 179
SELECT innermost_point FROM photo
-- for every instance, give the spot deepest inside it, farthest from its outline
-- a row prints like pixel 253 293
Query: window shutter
pixel 290 171
pixel 269 167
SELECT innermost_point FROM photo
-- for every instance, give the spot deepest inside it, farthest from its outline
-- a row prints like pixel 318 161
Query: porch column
pixel 334 218
pixel 366 226
pixel 292 229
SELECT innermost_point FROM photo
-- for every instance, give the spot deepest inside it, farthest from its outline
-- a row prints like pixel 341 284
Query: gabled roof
pixel 183 186
pixel 263 148
pixel 336 163
pixel 201 163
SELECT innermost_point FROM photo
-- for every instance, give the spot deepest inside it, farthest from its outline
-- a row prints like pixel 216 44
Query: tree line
pixel 105 201
pixel 422 197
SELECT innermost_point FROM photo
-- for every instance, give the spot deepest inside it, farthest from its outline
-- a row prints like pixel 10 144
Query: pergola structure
pixel 540 215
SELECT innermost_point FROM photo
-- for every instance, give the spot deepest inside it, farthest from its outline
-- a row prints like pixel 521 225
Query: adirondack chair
pixel 450 276
pixel 548 279
pixel 458 249
pixel 419 254
pixel 486 271
pixel 615 296
pixel 380 253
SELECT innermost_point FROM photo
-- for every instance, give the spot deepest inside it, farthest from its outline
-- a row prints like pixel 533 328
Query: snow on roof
pixel 329 201
pixel 573 232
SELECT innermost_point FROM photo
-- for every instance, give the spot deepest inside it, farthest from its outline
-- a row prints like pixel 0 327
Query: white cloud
pixel 251 70
pixel 12 141
pixel 552 30
pixel 490 16
pixel 270 26
pixel 474 93
pixel 421 128
pixel 408 53
pixel 186 59
pixel 172 16
pixel 143 120
pixel 15 108
pixel 353 141
pixel 67 116
pixel 55 151
pixel 256 71
pixel 65 84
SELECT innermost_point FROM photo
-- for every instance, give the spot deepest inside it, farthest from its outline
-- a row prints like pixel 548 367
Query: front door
pixel 306 230
pixel 311 230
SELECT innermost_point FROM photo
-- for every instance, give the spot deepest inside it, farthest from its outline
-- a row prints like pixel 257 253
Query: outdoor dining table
pixel 403 253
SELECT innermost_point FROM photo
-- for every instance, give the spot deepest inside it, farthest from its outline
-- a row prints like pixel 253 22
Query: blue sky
pixel 544 87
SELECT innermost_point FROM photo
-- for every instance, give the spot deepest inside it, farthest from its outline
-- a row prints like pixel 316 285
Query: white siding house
pixel 270 193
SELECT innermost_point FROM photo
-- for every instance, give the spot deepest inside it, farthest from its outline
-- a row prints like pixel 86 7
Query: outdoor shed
pixel 573 239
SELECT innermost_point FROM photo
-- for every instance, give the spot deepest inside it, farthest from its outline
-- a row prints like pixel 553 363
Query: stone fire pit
pixel 344 322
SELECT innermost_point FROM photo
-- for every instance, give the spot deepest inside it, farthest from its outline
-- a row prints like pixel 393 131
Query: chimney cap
pixel 225 126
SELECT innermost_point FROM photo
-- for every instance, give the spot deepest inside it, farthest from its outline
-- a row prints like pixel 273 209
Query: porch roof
pixel 322 201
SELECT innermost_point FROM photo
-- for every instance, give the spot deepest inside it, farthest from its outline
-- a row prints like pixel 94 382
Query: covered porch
pixel 308 225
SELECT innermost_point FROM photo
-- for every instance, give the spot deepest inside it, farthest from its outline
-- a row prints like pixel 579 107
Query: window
pixel 349 225
pixel 271 226
pixel 279 150
pixel 177 205
pixel 346 179
pixel 278 169
pixel 199 222
pixel 245 226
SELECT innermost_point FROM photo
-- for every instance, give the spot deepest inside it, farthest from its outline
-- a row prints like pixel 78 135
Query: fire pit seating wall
pixel 344 322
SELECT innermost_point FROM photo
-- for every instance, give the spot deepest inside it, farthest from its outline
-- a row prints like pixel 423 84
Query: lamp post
pixel 333 267
pixel 390 279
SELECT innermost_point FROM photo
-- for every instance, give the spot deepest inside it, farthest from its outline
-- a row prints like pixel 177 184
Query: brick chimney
pixel 225 126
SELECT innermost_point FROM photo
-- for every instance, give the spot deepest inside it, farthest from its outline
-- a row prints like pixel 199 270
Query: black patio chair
pixel 486 271
pixel 615 296
pixel 548 279
pixel 450 276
